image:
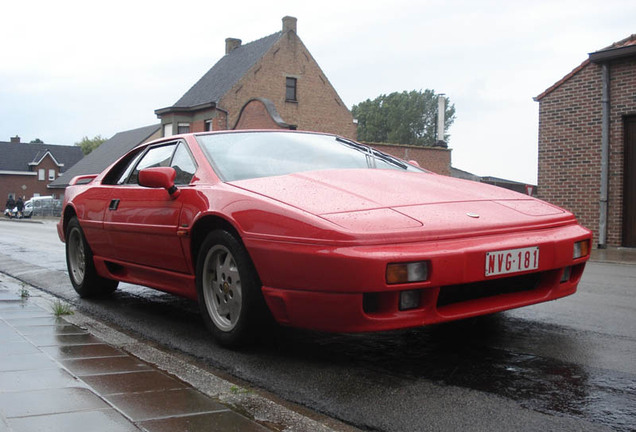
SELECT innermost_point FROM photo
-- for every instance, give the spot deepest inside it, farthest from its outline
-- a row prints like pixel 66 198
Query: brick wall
pixel 570 128
pixel 256 116
pixel 434 159
pixel 318 106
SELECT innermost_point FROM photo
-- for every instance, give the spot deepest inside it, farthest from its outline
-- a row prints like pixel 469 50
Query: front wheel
pixel 81 268
pixel 229 290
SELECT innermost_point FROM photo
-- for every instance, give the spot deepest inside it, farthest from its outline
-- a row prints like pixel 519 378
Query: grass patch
pixel 239 390
pixel 61 309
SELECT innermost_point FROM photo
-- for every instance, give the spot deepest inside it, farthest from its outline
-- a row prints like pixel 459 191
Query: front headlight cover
pixel 581 249
pixel 401 273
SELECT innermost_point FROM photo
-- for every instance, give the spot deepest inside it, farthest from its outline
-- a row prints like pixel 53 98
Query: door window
pixel 183 165
pixel 155 157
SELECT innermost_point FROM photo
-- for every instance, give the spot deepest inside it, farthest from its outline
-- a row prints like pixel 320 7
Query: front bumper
pixel 343 289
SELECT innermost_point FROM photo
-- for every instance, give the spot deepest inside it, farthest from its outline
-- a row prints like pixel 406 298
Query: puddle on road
pixel 463 354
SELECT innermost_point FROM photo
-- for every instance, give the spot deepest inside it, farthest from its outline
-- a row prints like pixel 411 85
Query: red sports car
pixel 314 230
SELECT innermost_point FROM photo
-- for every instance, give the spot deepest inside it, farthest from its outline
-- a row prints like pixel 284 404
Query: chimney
pixel 15 139
pixel 441 120
pixel 289 23
pixel 231 44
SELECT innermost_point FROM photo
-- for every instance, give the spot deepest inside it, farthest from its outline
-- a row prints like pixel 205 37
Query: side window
pixel 155 157
pixel 122 173
pixel 184 165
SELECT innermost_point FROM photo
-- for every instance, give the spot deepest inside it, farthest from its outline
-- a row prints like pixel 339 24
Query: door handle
pixel 113 205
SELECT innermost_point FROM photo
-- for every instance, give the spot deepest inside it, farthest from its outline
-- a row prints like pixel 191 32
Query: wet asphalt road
pixel 564 365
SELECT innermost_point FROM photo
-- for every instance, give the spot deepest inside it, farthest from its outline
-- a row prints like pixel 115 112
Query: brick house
pixel 587 143
pixel 271 83
pixel 27 170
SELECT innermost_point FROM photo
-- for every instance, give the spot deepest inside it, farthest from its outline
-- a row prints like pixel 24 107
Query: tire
pixel 229 290
pixel 81 268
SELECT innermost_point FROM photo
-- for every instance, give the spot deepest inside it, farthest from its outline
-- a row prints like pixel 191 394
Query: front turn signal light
pixel 399 273
pixel 581 249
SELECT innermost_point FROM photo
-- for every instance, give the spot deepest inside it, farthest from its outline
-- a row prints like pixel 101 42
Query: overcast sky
pixel 70 69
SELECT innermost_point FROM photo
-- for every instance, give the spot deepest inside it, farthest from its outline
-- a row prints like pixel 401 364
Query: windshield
pixel 238 156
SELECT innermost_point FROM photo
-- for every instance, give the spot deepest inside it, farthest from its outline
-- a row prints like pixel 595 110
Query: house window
pixel 167 130
pixel 208 125
pixel 41 174
pixel 290 89
pixel 183 128
pixel 51 174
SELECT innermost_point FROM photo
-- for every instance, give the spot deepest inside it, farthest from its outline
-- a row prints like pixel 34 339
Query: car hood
pixel 381 200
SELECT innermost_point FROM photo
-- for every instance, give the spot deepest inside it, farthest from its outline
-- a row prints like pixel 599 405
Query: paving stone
pixel 49 401
pixel 133 382
pixel 40 320
pixel 36 380
pixel 17 346
pixel 69 352
pixel 157 405
pixel 24 313
pixel 93 421
pixel 64 339
pixel 227 421
pixel 57 329
pixel 106 365
pixel 20 362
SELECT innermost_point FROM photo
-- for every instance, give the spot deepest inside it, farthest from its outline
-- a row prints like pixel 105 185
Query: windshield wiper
pixel 373 154
pixel 355 145
pixel 390 159
pixel 361 148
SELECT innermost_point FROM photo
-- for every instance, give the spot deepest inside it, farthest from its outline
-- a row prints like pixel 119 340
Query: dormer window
pixel 290 89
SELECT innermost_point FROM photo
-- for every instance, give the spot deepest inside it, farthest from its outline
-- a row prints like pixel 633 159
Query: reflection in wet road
pixel 462 354
pixel 566 365
pixel 477 354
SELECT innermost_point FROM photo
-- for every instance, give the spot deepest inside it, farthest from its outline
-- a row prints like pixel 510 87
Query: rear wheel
pixel 81 268
pixel 229 290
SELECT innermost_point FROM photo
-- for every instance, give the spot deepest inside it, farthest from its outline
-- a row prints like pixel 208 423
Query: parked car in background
pixel 314 230
pixel 42 206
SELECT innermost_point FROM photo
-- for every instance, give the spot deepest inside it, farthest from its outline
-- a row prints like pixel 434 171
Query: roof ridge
pixel 280 33
pixel 621 43
pixel 228 70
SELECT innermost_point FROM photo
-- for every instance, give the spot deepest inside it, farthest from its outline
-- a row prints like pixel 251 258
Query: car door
pixel 142 222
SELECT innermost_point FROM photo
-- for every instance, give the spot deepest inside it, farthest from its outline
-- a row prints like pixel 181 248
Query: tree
pixel 37 141
pixel 88 145
pixel 402 118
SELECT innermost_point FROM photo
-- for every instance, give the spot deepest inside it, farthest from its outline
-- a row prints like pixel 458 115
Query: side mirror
pixel 414 163
pixel 160 177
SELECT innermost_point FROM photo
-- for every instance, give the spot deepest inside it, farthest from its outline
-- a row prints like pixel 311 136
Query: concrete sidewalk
pixel 615 255
pixel 57 376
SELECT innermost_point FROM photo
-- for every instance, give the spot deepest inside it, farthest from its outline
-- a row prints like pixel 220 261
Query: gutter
pixel 605 138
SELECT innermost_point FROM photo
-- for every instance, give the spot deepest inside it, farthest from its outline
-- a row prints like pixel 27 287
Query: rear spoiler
pixel 83 179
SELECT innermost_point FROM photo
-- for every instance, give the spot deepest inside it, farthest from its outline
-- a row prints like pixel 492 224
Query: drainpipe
pixel 605 136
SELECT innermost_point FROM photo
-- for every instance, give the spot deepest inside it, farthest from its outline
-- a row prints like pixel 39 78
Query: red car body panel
pixel 321 241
